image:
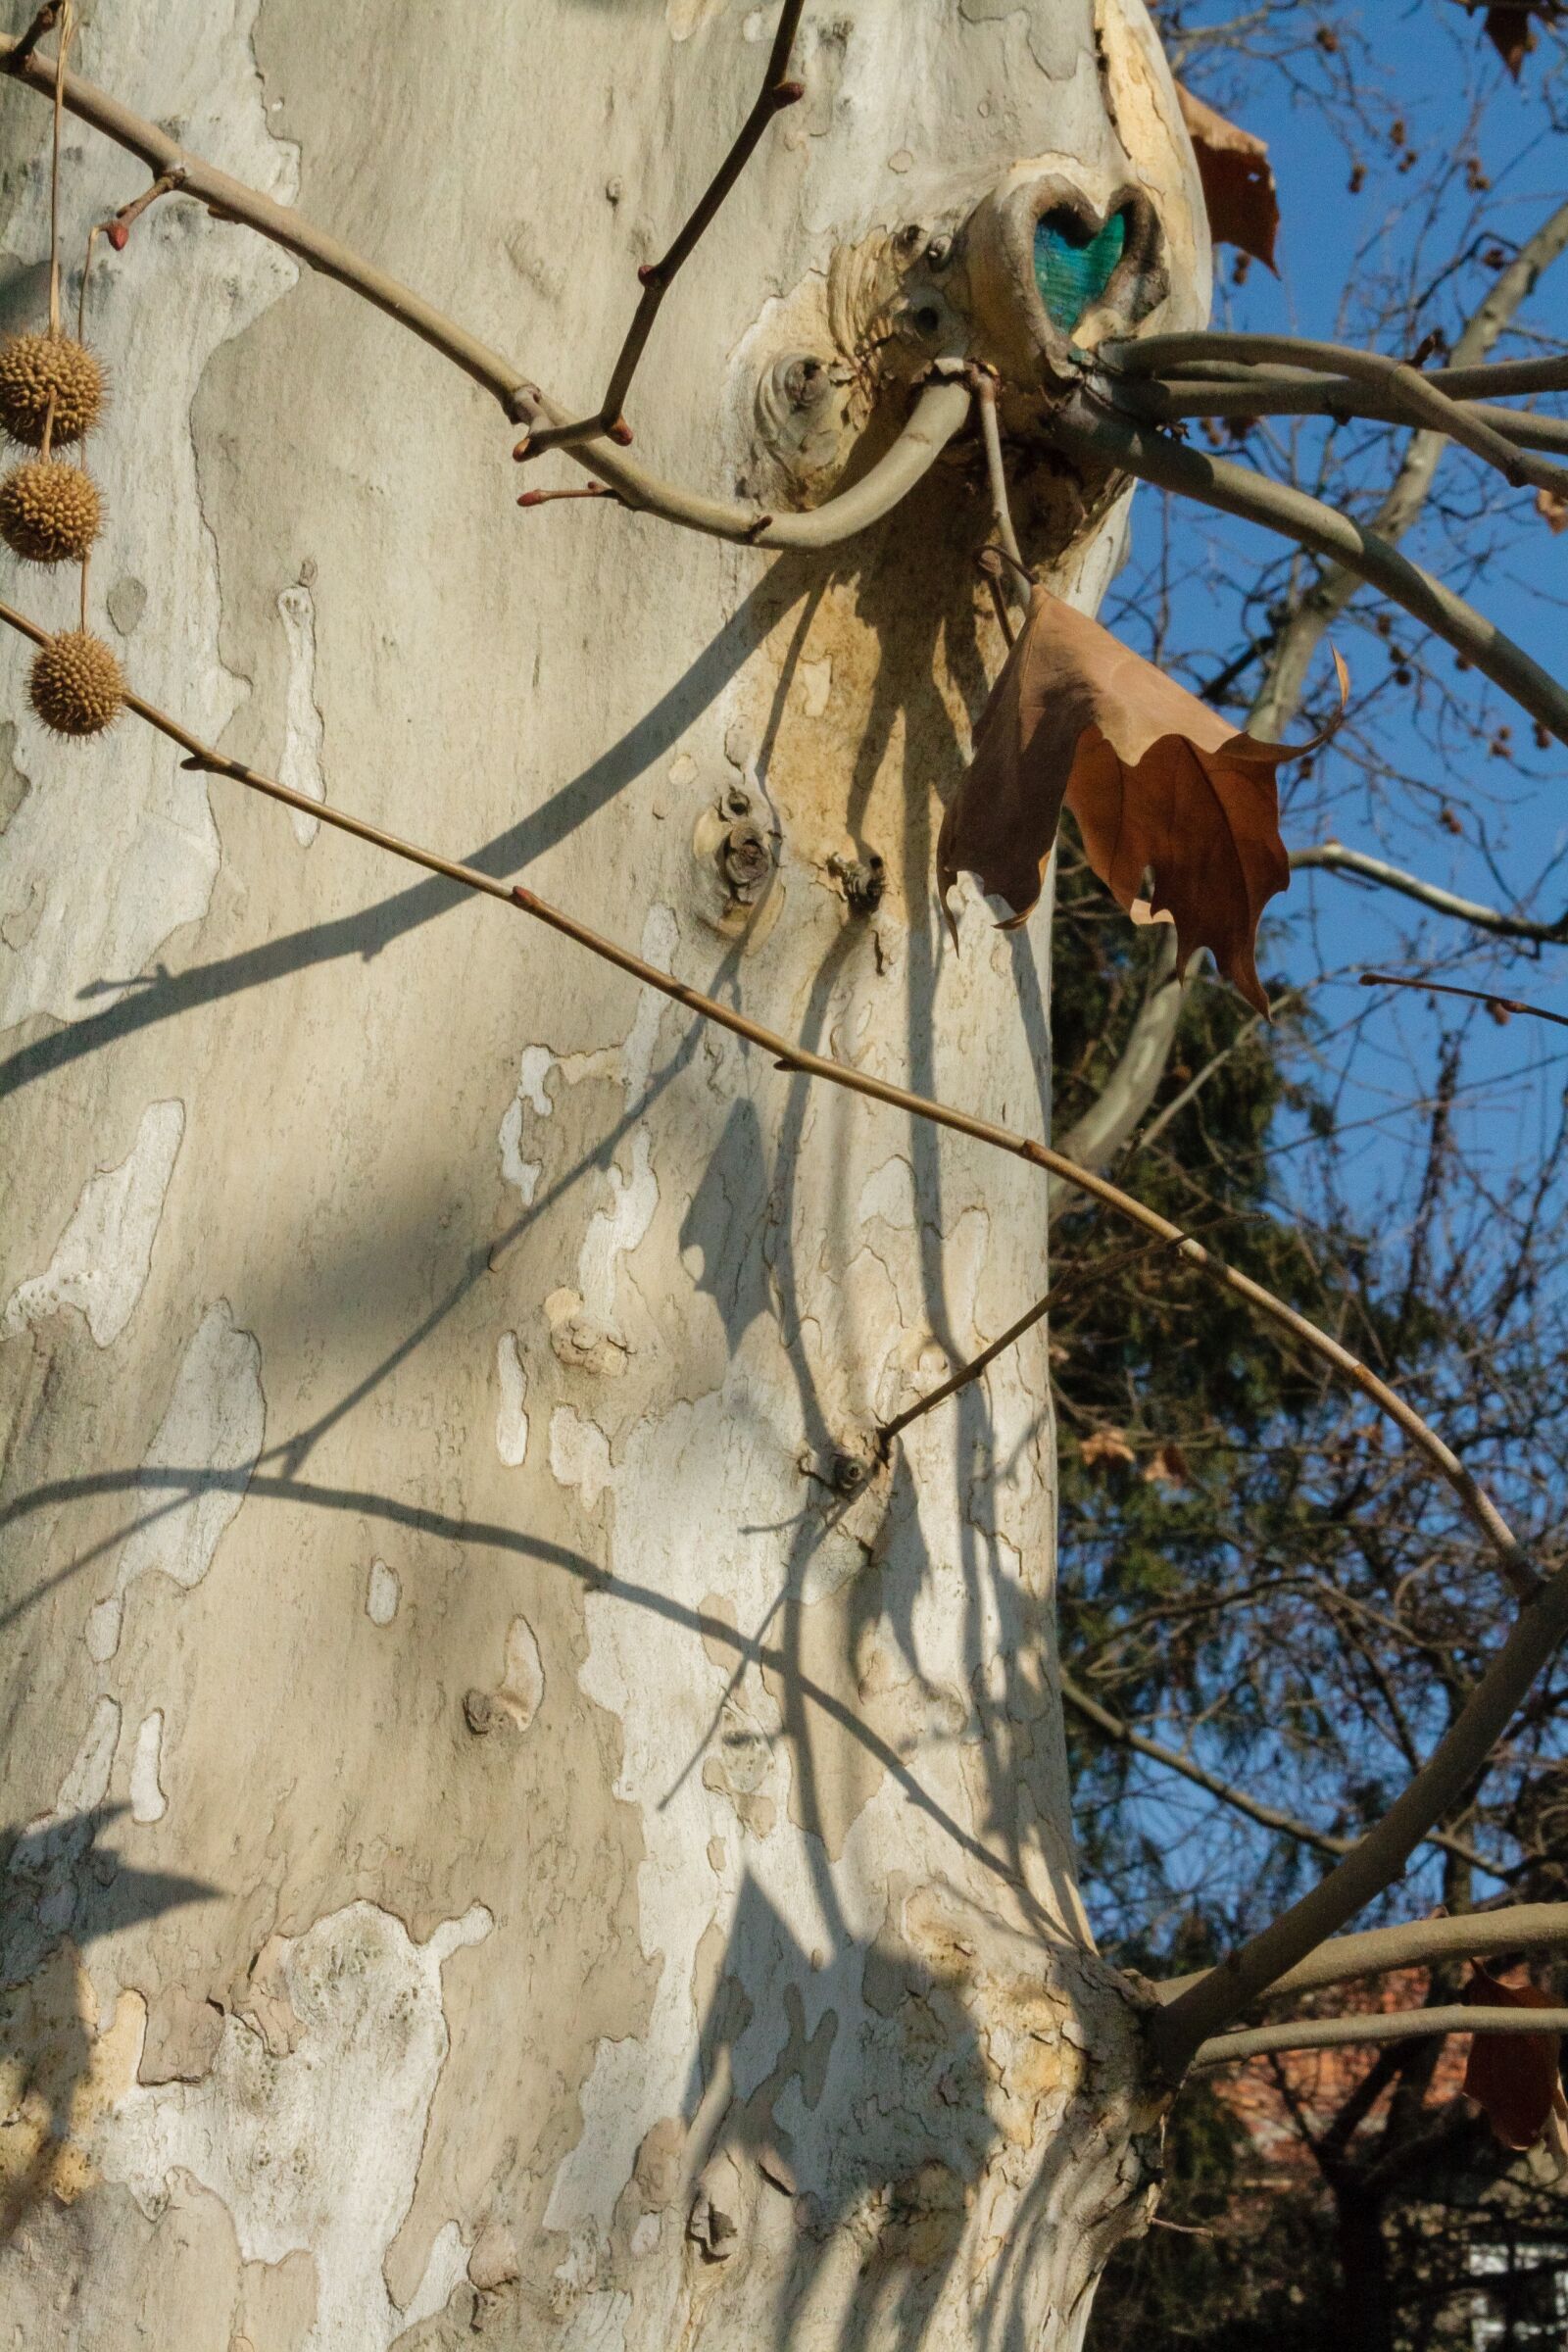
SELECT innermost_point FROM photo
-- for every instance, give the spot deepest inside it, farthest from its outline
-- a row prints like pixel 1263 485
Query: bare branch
pixel 1420 399
pixel 1297 392
pixel 1158 355
pixel 1015 1332
pixel 659 276
pixel 1449 988
pixel 1331 857
pixel 1268 1817
pixel 1379 1857
pixel 1114 1117
pixel 1316 610
pixel 1237 490
pixel 1476 1936
pixel 1398 2025
pixel 937 414
pixel 1476 1501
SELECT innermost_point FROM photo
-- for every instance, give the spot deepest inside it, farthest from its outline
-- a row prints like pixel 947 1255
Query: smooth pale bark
pixel 574 1871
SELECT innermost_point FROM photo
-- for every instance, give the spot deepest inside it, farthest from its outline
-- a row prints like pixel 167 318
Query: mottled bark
pixel 501 1837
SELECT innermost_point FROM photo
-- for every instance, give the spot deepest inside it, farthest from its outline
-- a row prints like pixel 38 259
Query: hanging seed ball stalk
pixel 34 367
pixel 75 684
pixel 49 513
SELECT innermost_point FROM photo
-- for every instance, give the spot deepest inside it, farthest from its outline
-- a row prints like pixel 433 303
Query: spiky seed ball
pixel 49 513
pixel 75 684
pixel 32 367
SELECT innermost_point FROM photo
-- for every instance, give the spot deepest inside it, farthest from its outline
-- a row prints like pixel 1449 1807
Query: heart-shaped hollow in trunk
pixel 1075 263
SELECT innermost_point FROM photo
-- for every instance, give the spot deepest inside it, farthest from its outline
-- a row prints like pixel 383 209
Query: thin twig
pixel 1475 1500
pixel 1331 857
pixel 1450 988
pixel 22 47
pixel 549 497
pixel 1060 1288
pixel 1473 1935
pixel 1267 1817
pixel 118 227
pixel 989 561
pixel 984 385
pixel 67 28
pixel 93 235
pixel 1398 2024
pixel 1154 457
pixel 659 276
pixel 938 415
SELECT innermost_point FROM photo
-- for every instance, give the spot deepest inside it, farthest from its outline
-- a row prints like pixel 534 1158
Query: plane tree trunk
pixel 505 1831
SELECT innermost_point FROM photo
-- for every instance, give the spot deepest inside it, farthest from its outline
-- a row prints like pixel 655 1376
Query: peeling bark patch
pixel 381 1594
pixel 511 1422
pixel 101 1262
pixel 197 1468
pixel 147 1799
pixel 304 736
pixel 319 2149
pixel 533 1066
pixel 517 1696
pixel 86 1783
pixel 579 1456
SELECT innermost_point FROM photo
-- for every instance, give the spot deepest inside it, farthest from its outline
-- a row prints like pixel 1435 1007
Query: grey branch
pixel 1268 1817
pixel 1297 392
pixel 1476 1936
pixel 1238 490
pixel 937 414
pixel 1378 1859
pixel 1315 613
pixel 1417 399
pixel 1331 857
pixel 1398 2024
pixel 1158 355
pixel 1117 1112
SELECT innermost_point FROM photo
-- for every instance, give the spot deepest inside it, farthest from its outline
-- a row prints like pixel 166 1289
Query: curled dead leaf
pixel 1514 2077
pixel 1552 508
pixel 1105 1446
pixel 1238 180
pixel 1167 1469
pixel 1155 779
pixel 1511 28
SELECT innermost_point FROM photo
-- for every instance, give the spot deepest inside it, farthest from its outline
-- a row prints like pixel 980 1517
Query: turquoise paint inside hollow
pixel 1073 265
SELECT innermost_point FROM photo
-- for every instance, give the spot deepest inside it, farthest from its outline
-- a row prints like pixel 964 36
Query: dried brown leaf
pixel 1155 779
pixel 1105 1446
pixel 1514 2077
pixel 1512 28
pixel 1167 1469
pixel 1552 508
pixel 1238 180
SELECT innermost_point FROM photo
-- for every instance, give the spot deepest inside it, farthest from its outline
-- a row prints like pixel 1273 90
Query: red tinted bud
pixel 118 233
